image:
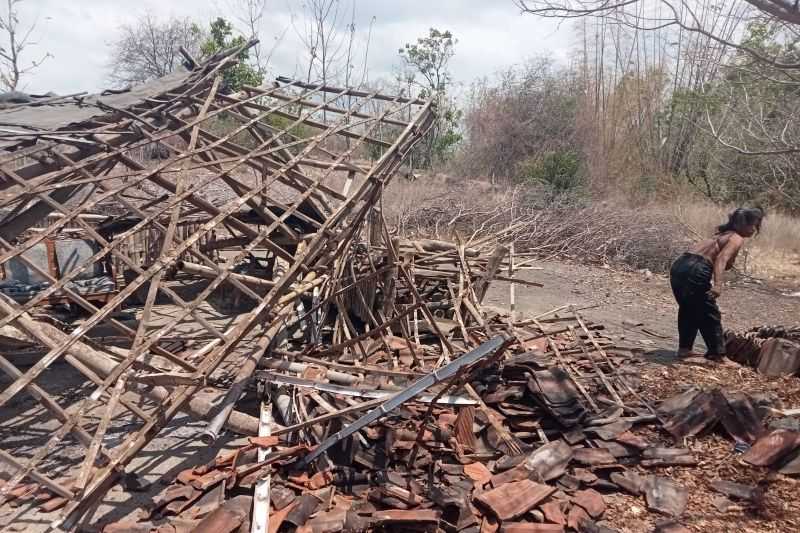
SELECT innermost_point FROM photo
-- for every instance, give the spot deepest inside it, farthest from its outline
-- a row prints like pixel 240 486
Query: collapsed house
pixel 180 245
pixel 276 199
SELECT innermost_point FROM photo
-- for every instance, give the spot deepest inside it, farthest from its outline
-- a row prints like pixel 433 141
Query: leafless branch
pixel 15 40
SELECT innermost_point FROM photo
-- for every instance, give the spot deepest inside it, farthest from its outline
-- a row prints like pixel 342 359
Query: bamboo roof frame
pixel 67 174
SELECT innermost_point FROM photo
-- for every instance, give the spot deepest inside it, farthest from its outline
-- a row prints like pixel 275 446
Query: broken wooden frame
pixel 274 133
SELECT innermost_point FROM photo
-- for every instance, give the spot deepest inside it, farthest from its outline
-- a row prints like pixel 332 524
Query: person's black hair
pixel 743 216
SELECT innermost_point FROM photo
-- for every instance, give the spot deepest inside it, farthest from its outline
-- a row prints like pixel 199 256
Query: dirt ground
pixel 626 298
pixel 622 299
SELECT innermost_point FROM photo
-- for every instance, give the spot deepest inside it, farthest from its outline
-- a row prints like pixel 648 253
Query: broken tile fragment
pixel 772 447
pixel 478 472
pixel 514 499
pixel 553 513
pixel 740 419
pixel 593 456
pixel 738 491
pixel 657 456
pixel 611 430
pixel 577 518
pixel 700 414
pixel 665 496
pixel 550 461
pixel 778 357
pixel 530 527
pixel 555 391
pixel 591 501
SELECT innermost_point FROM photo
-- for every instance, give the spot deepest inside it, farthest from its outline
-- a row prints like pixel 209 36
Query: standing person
pixel 696 280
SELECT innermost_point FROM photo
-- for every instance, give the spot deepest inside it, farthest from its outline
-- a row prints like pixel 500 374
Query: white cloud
pixel 491 35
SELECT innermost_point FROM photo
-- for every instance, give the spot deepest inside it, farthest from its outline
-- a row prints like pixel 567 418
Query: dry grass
pixel 643 236
pixel 539 223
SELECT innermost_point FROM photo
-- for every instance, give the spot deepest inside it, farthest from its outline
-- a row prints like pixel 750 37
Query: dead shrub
pixel 548 226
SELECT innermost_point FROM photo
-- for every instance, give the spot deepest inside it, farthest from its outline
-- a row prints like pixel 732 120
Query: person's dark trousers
pixel 690 278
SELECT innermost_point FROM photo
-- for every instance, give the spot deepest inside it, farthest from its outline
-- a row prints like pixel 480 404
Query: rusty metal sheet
pixel 514 499
pixel 772 447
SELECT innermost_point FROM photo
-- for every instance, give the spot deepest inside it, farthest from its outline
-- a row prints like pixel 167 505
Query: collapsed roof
pixel 268 168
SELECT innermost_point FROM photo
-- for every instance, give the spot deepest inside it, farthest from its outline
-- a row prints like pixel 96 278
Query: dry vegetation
pixel 647 236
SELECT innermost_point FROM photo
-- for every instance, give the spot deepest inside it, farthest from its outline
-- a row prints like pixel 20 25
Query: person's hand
pixel 714 292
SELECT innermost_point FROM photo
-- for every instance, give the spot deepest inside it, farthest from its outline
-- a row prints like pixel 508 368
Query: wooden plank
pixel 261 497
pixel 102 428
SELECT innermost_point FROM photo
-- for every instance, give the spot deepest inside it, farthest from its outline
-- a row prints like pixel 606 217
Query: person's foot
pixel 684 352
pixel 719 359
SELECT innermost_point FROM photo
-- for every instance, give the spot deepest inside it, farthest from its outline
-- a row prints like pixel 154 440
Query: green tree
pixel 427 64
pixel 220 38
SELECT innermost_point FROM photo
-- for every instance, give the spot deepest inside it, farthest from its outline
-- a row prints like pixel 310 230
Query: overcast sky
pixel 491 34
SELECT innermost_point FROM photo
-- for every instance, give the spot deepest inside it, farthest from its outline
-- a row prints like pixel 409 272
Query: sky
pixel 492 35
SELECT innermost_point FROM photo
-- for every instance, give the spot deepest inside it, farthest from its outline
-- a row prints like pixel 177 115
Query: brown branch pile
pixel 561 228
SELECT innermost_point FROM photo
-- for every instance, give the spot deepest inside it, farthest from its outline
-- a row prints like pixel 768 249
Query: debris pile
pixel 531 429
pixel 772 350
pixel 253 256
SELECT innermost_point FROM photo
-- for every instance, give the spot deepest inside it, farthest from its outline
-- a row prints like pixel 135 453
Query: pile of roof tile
pixel 528 438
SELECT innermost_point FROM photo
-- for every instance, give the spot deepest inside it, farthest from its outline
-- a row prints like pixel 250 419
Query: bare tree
pixel 148 48
pixel 16 39
pixel 715 100
pixel 323 39
pixel 249 15
pixel 684 14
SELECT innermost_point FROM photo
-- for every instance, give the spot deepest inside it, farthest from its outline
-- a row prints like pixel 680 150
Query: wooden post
pixel 492 267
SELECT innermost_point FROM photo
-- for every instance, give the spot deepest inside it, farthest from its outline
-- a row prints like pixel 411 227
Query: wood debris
pixel 390 398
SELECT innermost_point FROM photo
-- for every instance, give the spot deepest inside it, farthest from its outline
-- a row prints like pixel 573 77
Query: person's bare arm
pixel 725 258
